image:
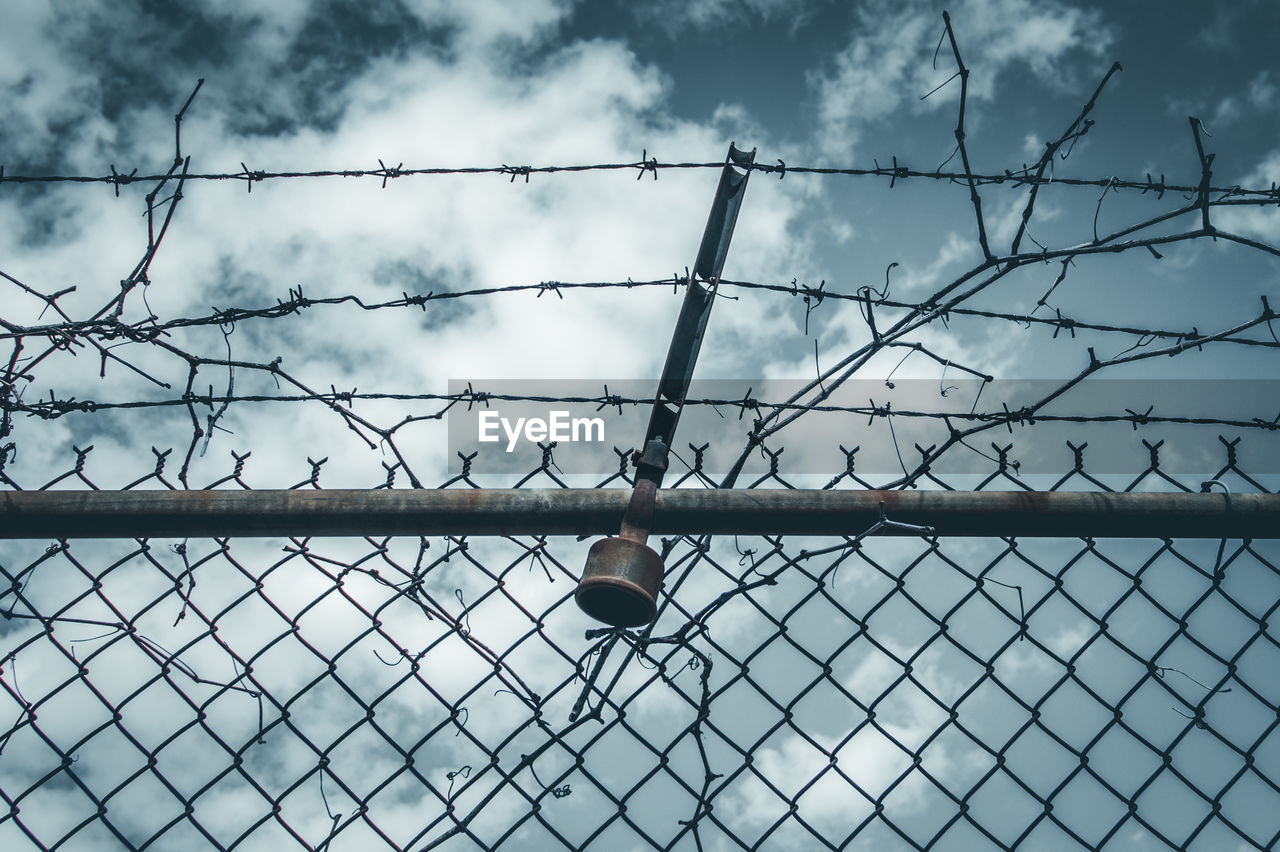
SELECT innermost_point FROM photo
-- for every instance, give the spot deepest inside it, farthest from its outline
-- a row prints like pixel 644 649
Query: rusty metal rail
pixel 136 514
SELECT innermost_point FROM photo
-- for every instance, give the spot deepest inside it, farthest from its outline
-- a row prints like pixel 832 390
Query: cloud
pixel 818 770
pixel 1262 91
pixel 36 102
pixel 1231 109
pixel 674 15
pixel 107 69
pixel 489 88
pixel 1226 112
pixel 1258 222
pixel 886 66
pixel 1218 35
pixel 484 22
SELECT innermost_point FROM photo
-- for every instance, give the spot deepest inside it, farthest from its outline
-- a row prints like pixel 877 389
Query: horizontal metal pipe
pixel 140 514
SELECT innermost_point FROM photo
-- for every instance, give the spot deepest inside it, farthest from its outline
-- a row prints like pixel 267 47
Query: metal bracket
pixel 698 299
pixel 623 575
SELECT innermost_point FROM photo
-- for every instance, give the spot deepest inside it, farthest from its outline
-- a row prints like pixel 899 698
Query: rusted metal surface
pixel 699 298
pixel 620 582
pixel 130 514
pixel 639 515
pixel 623 576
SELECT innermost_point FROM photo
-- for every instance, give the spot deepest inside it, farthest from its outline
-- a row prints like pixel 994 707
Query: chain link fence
pixel 794 693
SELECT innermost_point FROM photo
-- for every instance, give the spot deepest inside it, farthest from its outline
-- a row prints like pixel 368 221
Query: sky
pixel 326 86
pixel 296 86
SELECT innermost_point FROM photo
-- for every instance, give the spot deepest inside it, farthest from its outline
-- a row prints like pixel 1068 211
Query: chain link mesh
pixel 439 693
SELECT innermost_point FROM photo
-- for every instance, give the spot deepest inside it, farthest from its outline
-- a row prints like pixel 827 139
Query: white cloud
pixel 1231 109
pixel 1226 112
pixel 273 25
pixel 1259 222
pixel 585 102
pixel 35 101
pixel 886 66
pixel 480 22
pixel 1262 91
pixel 868 79
pixel 869 758
pixel 1033 146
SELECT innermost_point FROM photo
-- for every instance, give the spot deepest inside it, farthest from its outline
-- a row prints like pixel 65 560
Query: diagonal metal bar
pixel 623 575
pixel 699 297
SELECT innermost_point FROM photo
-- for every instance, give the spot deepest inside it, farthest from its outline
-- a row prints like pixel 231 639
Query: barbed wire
pixel 106 325
pixel 144 330
pixel 1016 178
